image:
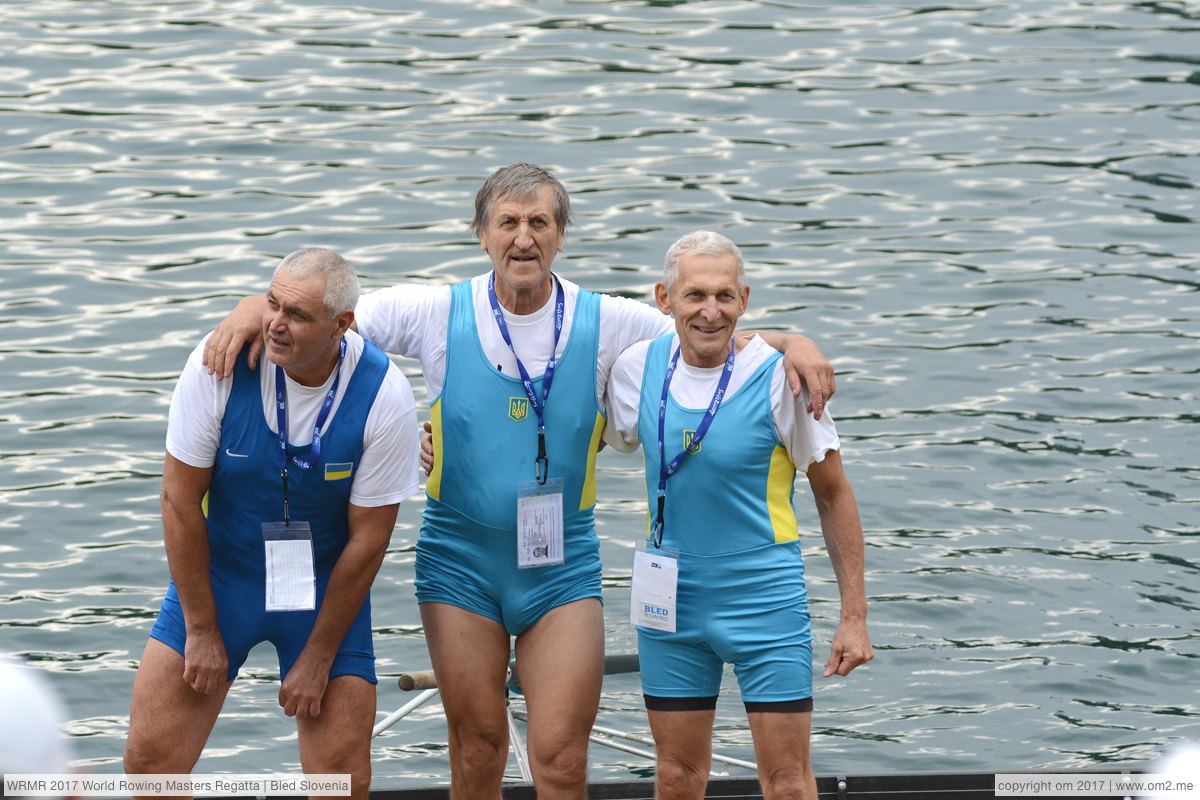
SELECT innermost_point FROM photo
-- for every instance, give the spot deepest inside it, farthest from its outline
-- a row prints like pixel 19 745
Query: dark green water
pixel 985 212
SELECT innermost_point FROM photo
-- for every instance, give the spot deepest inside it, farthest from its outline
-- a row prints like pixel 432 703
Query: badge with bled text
pixel 652 594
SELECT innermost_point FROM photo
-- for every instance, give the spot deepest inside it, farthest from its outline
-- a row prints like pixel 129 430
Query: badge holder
pixel 540 523
pixel 652 590
pixel 291 584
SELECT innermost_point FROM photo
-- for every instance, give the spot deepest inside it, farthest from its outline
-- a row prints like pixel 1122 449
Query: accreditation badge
pixel 652 594
pixel 540 523
pixel 291 585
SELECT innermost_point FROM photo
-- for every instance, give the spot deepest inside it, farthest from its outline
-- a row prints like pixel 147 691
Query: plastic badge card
pixel 291 585
pixel 540 523
pixel 652 595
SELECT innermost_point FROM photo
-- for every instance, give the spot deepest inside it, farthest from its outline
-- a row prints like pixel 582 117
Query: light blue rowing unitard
pixel 741 596
pixel 485 440
pixel 735 492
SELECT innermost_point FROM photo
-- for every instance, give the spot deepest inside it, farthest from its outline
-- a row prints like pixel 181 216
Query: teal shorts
pixel 748 609
pixel 472 566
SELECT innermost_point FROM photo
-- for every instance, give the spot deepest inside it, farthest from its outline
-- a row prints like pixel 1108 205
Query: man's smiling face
pixel 706 302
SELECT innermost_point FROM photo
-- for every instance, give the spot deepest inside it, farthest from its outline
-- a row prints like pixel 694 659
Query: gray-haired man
pixel 721 578
pixel 279 496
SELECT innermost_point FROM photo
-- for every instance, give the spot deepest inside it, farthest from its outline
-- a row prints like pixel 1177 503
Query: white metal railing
pixel 426 683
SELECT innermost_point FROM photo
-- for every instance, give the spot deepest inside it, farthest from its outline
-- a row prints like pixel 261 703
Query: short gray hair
pixel 519 181
pixel 704 243
pixel 341 283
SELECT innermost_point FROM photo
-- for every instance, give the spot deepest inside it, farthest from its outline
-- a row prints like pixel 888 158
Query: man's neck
pixel 524 301
pixel 692 360
pixel 318 372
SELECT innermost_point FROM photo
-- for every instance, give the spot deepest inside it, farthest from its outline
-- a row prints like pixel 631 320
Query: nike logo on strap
pixel 236 455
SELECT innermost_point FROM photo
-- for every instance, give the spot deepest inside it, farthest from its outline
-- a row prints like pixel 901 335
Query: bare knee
pixel 481 755
pixel 679 778
pixel 789 783
pixel 359 771
pixel 563 767
pixel 360 777
pixel 146 756
pixel 352 759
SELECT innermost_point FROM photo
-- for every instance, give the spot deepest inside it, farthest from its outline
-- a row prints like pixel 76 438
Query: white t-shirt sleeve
pixel 624 322
pixel 197 406
pixel 409 320
pixel 623 397
pixel 387 469
pixel 806 439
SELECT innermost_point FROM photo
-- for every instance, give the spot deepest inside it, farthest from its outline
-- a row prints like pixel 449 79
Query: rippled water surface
pixel 984 212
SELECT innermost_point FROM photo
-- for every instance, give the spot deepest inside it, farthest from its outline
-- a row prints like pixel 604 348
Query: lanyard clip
pixel 659 523
pixel 283 474
pixel 542 464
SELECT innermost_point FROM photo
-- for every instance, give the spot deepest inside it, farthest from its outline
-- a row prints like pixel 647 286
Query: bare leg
pixel 561 661
pixel 683 740
pixel 338 741
pixel 169 722
pixel 470 658
pixel 781 742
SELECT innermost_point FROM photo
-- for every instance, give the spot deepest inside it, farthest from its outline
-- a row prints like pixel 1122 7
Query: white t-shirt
pixel 806 439
pixel 412 321
pixel 387 470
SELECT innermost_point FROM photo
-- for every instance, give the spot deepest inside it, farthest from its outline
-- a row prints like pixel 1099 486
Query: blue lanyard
pixel 314 454
pixel 666 470
pixel 542 463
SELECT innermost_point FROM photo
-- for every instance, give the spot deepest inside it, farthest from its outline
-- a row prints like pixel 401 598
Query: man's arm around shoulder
pixel 805 364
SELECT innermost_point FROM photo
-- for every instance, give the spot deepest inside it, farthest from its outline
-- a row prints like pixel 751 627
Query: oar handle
pixel 425 679
pixel 619 663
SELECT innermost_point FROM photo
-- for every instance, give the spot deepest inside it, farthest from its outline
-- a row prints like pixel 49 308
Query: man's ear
pixel 344 321
pixel 662 298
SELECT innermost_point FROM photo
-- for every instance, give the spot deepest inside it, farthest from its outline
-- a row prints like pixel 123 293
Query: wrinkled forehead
pixel 530 202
